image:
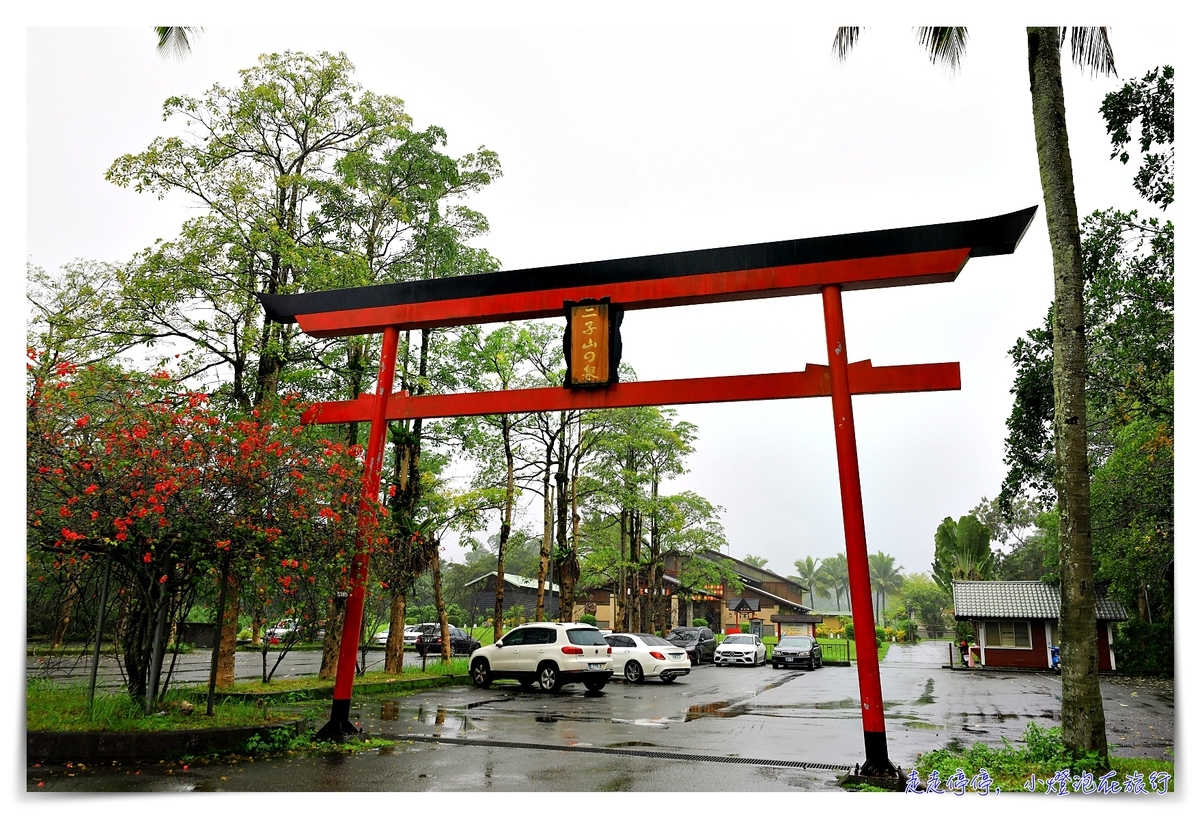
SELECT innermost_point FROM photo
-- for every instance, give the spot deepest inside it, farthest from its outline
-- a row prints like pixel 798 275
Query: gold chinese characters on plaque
pixel 589 345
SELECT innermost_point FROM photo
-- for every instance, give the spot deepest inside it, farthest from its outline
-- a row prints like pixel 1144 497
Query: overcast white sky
pixel 632 139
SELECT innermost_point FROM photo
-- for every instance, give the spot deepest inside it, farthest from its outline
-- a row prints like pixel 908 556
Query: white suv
pixel 549 654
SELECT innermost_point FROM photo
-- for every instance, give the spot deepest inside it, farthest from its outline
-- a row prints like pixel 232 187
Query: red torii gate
pixel 826 265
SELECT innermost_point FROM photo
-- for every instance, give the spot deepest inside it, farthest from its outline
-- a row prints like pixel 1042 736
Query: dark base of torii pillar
pixel 339 725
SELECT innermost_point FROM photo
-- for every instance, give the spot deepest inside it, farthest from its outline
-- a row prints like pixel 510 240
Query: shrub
pixel 588 619
pixel 849 630
pixel 744 627
pixel 881 636
pixel 1144 648
pixel 699 623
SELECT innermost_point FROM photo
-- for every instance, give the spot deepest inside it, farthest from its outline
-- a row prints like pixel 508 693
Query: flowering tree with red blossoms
pixel 124 467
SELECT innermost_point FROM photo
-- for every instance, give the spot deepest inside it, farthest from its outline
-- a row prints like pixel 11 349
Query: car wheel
pixel 633 672
pixel 774 665
pixel 481 675
pixel 549 678
pixel 596 685
pixel 694 658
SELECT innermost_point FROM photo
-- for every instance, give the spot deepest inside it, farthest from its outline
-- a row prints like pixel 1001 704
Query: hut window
pixel 1006 633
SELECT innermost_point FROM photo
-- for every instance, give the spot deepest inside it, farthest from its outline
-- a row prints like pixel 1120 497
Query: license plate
pixel 595 665
pixel 676 655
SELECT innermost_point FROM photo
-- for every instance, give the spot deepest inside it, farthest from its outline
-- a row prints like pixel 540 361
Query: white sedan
pixel 741 649
pixel 640 656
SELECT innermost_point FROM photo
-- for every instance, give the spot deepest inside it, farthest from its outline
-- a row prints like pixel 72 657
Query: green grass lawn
pixel 1041 755
pixel 57 707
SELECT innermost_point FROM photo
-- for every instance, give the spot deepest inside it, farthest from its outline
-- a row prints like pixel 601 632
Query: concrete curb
pixel 150 745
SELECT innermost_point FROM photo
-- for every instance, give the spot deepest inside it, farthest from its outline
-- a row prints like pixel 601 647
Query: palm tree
pixel 836 576
pixel 175 41
pixel 806 575
pixel 885 577
pixel 1082 708
pixel 757 562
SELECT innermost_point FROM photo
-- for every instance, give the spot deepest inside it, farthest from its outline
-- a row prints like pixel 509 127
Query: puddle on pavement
pixel 923 725
pixel 721 710
pixel 927 696
pixel 551 718
pixel 632 744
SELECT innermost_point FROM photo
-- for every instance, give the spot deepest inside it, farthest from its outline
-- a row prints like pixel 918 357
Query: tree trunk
pixel 547 535
pixel 505 530
pixel 333 637
pixel 228 633
pixel 568 571
pixel 65 610
pixel 440 604
pixel 1082 707
pixel 393 654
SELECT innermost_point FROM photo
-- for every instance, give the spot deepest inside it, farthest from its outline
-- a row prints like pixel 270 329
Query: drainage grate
pixel 611 751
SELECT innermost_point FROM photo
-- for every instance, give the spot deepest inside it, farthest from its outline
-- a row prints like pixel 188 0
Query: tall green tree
pixel 1083 708
pixel 1128 263
pixel 1150 104
pixel 961 551
pixel 492 361
pixel 928 602
pixel 756 561
pixel 834 573
pixel 885 578
pixel 807 572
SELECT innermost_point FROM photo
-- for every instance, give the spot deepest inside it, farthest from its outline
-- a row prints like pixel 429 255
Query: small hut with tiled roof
pixel 1016 623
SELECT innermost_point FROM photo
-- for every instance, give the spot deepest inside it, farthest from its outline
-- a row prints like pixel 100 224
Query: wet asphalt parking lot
pixel 717 729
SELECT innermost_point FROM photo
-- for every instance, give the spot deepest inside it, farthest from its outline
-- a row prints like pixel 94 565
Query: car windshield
pixel 653 641
pixel 585 636
pixel 683 634
pixel 795 642
pixel 739 639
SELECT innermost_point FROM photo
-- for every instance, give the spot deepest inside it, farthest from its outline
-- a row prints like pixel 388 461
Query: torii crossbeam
pixel 827 265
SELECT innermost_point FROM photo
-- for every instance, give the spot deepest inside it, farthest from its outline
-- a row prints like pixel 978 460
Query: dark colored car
pixel 793 651
pixel 429 640
pixel 699 643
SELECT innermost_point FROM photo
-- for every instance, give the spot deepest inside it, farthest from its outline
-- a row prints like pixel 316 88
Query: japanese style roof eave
pixel 1019 599
pixel 513 580
pixel 911 255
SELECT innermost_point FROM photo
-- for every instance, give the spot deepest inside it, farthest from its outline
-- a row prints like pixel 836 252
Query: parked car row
pixel 552 654
pixel 634 656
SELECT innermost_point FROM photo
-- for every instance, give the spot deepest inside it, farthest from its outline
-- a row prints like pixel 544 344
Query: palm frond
pixel 1090 49
pixel 175 41
pixel 944 44
pixel 844 40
